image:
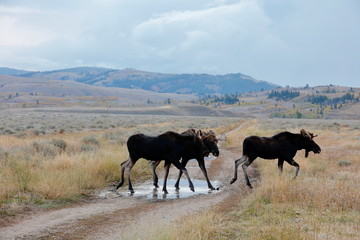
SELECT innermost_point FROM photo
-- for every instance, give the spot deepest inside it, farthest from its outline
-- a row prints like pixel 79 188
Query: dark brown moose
pixel 282 146
pixel 210 141
pixel 169 146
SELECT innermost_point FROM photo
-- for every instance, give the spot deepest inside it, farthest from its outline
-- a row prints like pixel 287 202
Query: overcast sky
pixel 287 42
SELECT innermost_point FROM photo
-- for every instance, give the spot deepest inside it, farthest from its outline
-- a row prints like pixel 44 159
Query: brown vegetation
pixel 73 155
pixel 322 203
pixel 79 152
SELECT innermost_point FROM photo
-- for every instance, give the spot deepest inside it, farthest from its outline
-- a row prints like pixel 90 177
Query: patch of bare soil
pixel 108 217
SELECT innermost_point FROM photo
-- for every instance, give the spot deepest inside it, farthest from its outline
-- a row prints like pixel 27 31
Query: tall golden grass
pixel 323 202
pixel 52 174
pixel 35 170
pixel 62 167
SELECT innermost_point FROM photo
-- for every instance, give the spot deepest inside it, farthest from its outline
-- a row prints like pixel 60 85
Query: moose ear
pixel 304 133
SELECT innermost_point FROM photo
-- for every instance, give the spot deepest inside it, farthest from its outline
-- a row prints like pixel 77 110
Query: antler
pixel 199 133
pixel 312 135
pixel 307 134
pixel 207 135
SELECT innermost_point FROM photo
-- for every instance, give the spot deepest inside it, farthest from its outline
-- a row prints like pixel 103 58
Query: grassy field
pixel 322 203
pixel 50 159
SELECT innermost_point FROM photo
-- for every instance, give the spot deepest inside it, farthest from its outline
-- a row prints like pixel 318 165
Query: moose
pixel 282 146
pixel 169 146
pixel 210 141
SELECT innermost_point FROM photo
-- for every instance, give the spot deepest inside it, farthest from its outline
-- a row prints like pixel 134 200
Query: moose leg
pixel 178 180
pixel 183 169
pixel 128 168
pixel 237 163
pixel 295 164
pixel 122 169
pixel 244 167
pixel 184 161
pixel 154 165
pixel 167 167
pixel 203 169
pixel 280 165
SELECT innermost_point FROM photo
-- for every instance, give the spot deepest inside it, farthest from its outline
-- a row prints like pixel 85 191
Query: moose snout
pixel 318 150
pixel 216 153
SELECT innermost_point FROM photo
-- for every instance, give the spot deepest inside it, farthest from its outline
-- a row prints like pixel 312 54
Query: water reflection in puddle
pixel 148 191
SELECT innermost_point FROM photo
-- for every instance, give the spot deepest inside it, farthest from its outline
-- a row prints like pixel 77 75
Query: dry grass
pixel 322 203
pixel 56 167
pixel 39 171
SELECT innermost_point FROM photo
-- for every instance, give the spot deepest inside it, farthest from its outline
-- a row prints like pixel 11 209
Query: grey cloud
pixel 288 42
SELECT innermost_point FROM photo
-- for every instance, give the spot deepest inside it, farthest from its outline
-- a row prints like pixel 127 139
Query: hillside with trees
pixel 316 102
pixel 198 84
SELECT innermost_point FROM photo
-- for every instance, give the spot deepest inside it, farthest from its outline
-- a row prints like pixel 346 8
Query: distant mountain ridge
pixel 12 72
pixel 201 84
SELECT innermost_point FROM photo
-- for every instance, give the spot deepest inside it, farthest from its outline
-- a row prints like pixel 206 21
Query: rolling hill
pixel 199 84
pixel 25 90
pixel 321 102
pixel 79 87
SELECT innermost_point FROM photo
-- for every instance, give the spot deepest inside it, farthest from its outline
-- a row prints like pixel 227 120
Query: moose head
pixel 210 141
pixel 309 143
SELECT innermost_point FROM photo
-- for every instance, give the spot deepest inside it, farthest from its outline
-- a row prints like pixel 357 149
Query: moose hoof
pixel 233 180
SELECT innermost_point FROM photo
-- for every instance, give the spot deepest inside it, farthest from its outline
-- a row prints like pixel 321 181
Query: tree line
pixel 227 99
pixel 334 102
pixel 283 94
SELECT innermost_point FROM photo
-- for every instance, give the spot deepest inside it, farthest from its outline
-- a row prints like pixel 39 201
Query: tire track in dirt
pixel 108 218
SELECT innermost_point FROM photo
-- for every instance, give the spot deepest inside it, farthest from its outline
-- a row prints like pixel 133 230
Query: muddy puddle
pixel 148 191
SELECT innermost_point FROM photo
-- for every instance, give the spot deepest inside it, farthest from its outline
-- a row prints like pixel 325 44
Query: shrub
pixel 61 144
pixel 344 163
pixel 88 147
pixel 45 149
pixel 91 140
pixel 117 137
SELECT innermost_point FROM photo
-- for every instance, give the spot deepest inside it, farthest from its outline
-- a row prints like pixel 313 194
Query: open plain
pixel 59 170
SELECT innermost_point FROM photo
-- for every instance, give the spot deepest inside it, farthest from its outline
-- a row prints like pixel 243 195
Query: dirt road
pixel 113 216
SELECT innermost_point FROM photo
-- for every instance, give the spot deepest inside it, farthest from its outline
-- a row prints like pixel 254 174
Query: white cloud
pixel 221 30
pixel 289 42
pixel 14 31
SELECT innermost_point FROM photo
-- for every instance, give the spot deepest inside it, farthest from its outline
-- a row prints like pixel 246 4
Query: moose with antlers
pixel 282 146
